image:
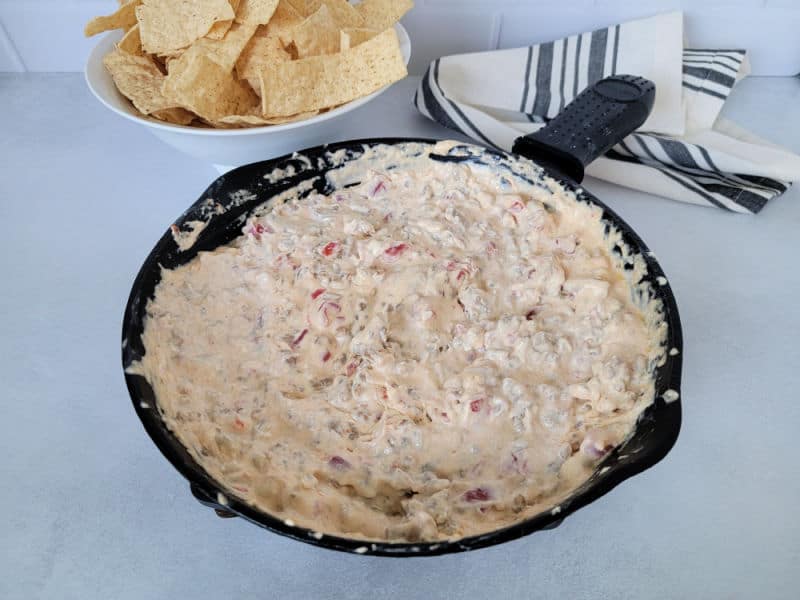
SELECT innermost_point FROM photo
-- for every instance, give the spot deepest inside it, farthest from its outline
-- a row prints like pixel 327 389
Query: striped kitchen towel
pixel 684 150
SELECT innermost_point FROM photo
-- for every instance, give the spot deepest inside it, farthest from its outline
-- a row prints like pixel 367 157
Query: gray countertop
pixel 92 510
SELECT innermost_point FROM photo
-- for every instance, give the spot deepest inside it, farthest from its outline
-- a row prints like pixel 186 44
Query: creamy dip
pixel 440 350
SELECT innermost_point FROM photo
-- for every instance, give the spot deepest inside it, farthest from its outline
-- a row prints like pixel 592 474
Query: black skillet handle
pixel 590 125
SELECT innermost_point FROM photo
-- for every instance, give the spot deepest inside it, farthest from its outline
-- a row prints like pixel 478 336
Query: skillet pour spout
pixel 595 121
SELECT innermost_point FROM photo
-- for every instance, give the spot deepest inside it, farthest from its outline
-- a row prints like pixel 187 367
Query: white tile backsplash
pixel 521 28
pixel 438 31
pixel 47 35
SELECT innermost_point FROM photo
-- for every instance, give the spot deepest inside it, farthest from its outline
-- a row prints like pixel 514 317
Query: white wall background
pixel 47 35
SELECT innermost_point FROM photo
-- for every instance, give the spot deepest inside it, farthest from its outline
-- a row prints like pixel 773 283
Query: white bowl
pixel 225 148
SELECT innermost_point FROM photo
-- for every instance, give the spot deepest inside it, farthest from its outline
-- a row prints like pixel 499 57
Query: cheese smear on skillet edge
pixel 433 351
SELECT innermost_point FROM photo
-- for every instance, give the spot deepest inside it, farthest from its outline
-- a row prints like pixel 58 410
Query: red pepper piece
pixel 395 250
pixel 330 248
pixel 338 463
pixel 477 495
pixel 299 338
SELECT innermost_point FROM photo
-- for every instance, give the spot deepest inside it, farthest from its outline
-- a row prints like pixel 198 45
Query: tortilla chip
pixel 167 25
pixel 123 18
pixel 224 52
pixel 262 50
pixel 138 79
pixel 220 28
pixel 299 6
pixel 317 34
pixel 176 116
pixel 269 44
pixel 170 55
pixel 197 83
pixel 284 21
pixel 354 36
pixel 289 88
pixel 165 60
pixel 343 12
pixel 256 12
pixel 292 118
pixel 131 42
pixel 381 14
pixel 258 120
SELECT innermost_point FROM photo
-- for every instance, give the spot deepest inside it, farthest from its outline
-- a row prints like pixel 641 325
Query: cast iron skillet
pixel 589 126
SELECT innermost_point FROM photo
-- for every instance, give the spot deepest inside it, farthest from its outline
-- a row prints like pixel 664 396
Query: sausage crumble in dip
pixel 441 350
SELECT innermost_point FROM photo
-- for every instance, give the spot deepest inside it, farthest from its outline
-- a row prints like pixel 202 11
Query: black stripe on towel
pixel 527 87
pixel 704 91
pixel 707 158
pixel 597 55
pixel 682 161
pixel 766 182
pixel 752 202
pixel 419 100
pixel 613 154
pixel 577 73
pixel 747 199
pixel 716 50
pixel 709 75
pixel 437 111
pixel 685 180
pixel 696 190
pixel 710 64
pixel 732 62
pixel 732 54
pixel 419 103
pixel 544 68
pixel 679 154
pixel 616 49
pixel 564 48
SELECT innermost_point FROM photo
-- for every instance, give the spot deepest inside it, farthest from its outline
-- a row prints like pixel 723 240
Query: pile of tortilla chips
pixel 239 63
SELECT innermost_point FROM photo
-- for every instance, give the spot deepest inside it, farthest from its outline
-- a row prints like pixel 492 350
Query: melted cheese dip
pixel 439 351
